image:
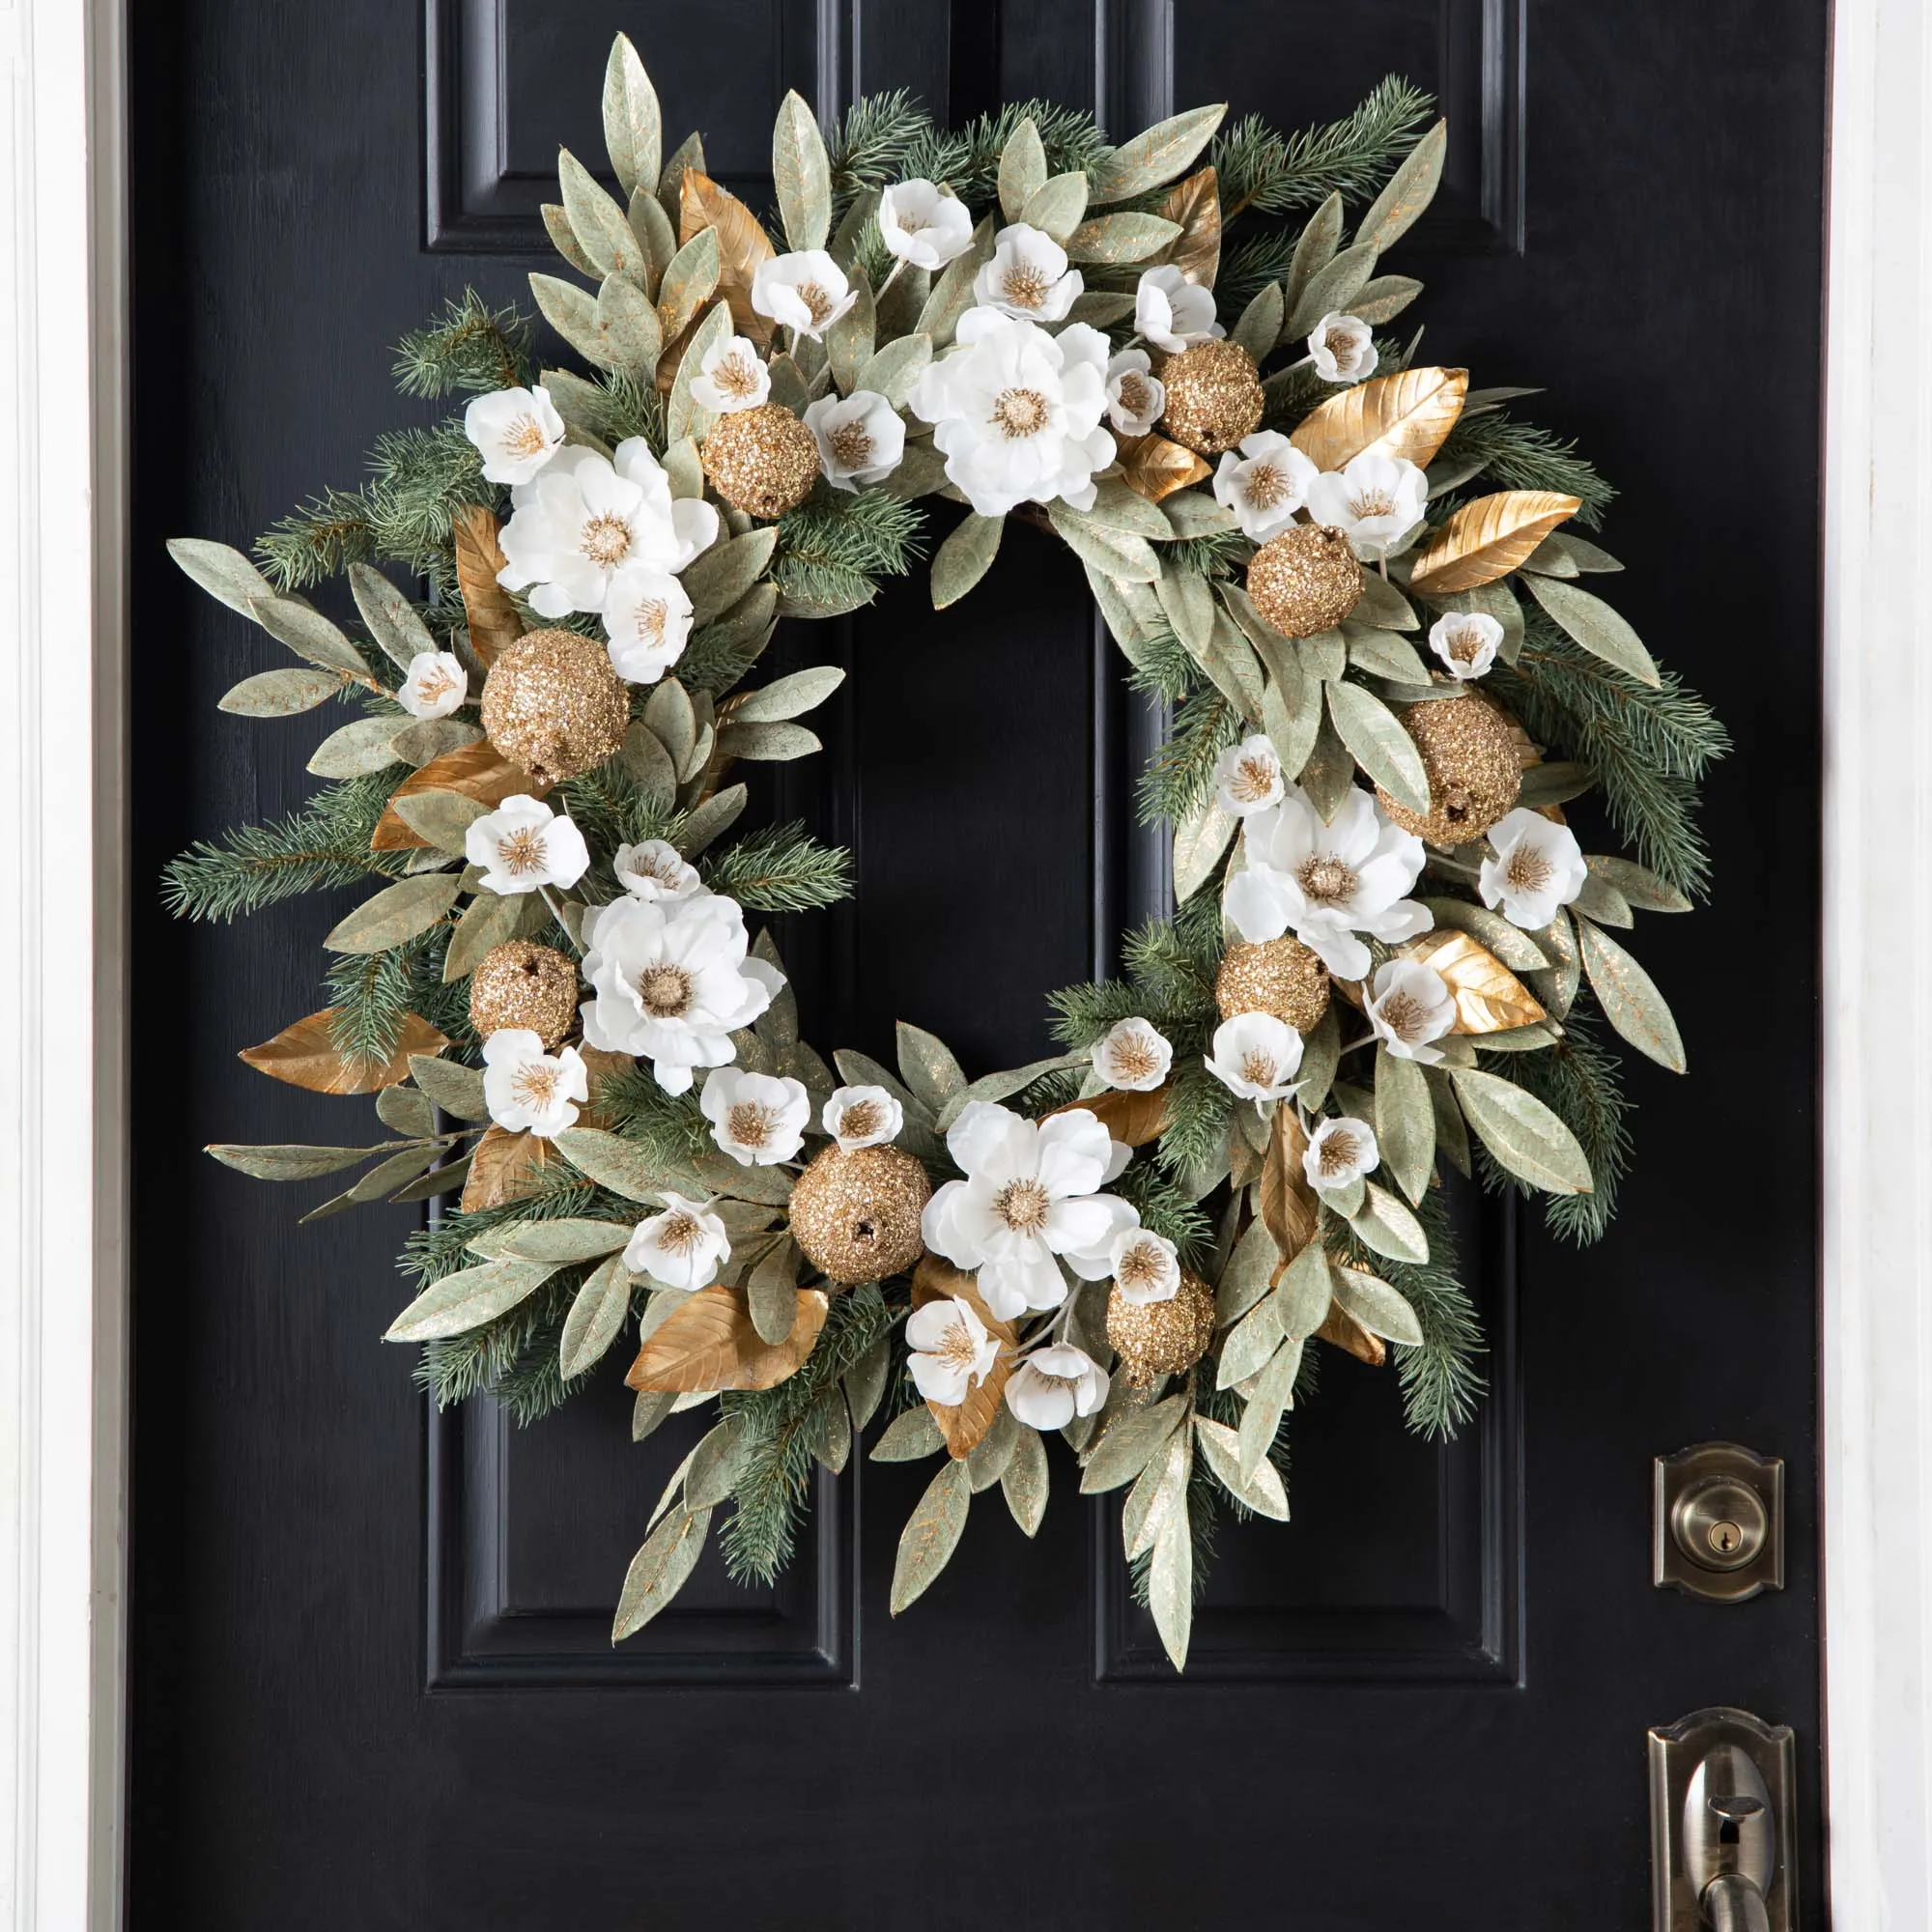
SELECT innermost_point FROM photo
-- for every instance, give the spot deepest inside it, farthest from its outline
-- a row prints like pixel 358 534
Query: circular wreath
pixel 1354 581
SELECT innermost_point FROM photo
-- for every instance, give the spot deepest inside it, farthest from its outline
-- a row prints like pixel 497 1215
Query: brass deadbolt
pixel 1718 1523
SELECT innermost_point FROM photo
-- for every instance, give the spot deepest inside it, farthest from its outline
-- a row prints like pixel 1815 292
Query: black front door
pixel 371 1679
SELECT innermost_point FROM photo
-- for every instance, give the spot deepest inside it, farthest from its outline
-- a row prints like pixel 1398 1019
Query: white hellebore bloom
pixel 1135 396
pixel 1028 276
pixel 861 1116
pixel 806 291
pixel 1172 312
pixel 1031 1193
pixel 1146 1267
pixel 1537 867
pixel 673 983
pixel 648 620
pixel 655 869
pixel 515 431
pixel 923 225
pixel 1255 1055
pixel 1133 1055
pixel 1248 776
pixel 529 1090
pixel 1343 348
pixel 436 685
pixel 1017 413
pixel 1410 1004
pixel 524 844
pixel 758 1119
pixel 861 438
pixel 683 1247
pixel 1376 500
pixel 1339 1151
pixel 1265 484
pixel 1054 1385
pixel 1326 883
pixel 731 377
pixel 588 516
pixel 949 1349
pixel 1467 641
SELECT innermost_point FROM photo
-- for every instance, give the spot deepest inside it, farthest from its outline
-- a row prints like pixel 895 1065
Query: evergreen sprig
pixel 781 868
pixel 469 347
pixel 1520 456
pixel 374 994
pixel 1272 172
pixel 835 546
pixel 871 148
pixel 968 160
pixel 1178 775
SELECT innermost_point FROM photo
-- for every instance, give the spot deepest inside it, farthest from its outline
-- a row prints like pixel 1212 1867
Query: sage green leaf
pixel 1251 1341
pixel 1550 559
pixel 1127 1443
pixel 1593 624
pixel 1171 1586
pixel 574 1239
pixel 465 1300
pixel 1324 655
pixel 673 721
pixel 964 557
pixel 1160 1490
pixel 1629 999
pixel 456 1089
pixel 789 696
pixel 789 388
pixel 404 1111
pixel 445 1179
pixel 1640 885
pixel 397 913
pixel 633 132
pixel 289 1162
pixel 1117 507
pixel 931 1535
pixel 710 821
pixel 1022 169
pixel 1101 308
pixel 1199 841
pixel 490 920
pixel 1557 989
pixel 223 572
pixel 1348 1198
pixel 596 1317
pixel 1301 1302
pixel 1260 325
pixel 1385 607
pixel 597 222
pixel 865 1381
pixel 771 743
pixel 1452 1136
pixel 828 1434
pixel 391 619
pixel 1321 1053
pixel 1329 775
pixel 1270 1395
pixel 648 1412
pixel 1247 1276
pixel 658 1571
pixel 987 1460
pixel 1529 1140
pixel 682 416
pixel 1598 900
pixel 1260 1490
pixel 690 282
pixel 647 763
pixel 1410 190
pixel 1385 1225
pixel 356 750
pixel 748 622
pixel 1520 1040
pixel 772 1292
pixel 443 818
pixel 1383 654
pixel 715 581
pixel 1379 744
pixel 1557 784
pixel 1123 240
pixel 928 1066
pixel 1383 297
pixel 1129 559
pixel 1404 1121
pixel 850 340
pixel 1377 1307
pixel 1189 605
pixel 609 1160
pixel 1156 156
pixel 801 174
pixel 714 1465
pixel 1026 1482
pixel 1193 513
pixel 279 694
pixel 903 305
pixel 951 294
pixel 1314 250
pixel 655 233
pixel 1003 1086
pixel 1512 945
pixel 573 313
pixel 1055 206
pixel 310 635
pixel 687 154
pixel 909 1437
pixel 893 370
pixel 1332 289
pixel 1132 612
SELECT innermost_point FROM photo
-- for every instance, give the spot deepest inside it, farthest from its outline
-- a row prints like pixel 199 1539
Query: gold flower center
pixel 1464 642
pixel 1528 871
pixel 751 1124
pixel 956 1347
pixel 523 851
pixel 863 1118
pixel 737 376
pixel 1373 504
pixel 536 1081
pixel 1257 1067
pixel 1141 1267
pixel 1340 343
pixel 851 445
pixel 680 1232
pixel 1021 412
pixel 1132 394
pixel 1023 1205
pixel 1265 486
pixel 1134 1057
pixel 1253 779
pixel 607 540
pixel 1328 881
pixel 660 867
pixel 665 990
pixel 1405 1015
pixel 1025 286
pixel 1338 1153
pixel 818 303
pixel 650 618
pixel 525 437
pixel 435 684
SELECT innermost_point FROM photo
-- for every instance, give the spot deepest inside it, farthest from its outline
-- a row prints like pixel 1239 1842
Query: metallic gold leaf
pixel 1132 1119
pixel 477 771
pixel 494 623
pixel 1155 467
pixel 305 1055
pixel 709 1343
pixel 742 244
pixel 1195 204
pixel 1341 1328
pixel 1288 1202
pixel 965 1423
pixel 1408 413
pixel 1488 539
pixel 1488 997
pixel 504 1167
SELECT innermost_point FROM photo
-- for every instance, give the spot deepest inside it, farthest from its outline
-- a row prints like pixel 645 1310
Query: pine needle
pixel 1273 172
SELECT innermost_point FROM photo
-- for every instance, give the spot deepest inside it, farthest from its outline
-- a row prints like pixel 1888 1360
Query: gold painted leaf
pixel 709 1343
pixel 1488 539
pixel 477 771
pixel 742 244
pixel 1155 467
pixel 1132 1119
pixel 1288 1202
pixel 504 1167
pixel 1195 204
pixel 494 623
pixel 1341 1328
pixel 305 1055
pixel 1410 414
pixel 1488 997
pixel 964 1425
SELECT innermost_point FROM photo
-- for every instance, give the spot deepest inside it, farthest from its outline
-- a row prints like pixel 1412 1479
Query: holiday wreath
pixel 1354 583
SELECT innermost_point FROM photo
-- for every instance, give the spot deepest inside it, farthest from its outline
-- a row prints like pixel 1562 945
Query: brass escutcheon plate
pixel 1718 1523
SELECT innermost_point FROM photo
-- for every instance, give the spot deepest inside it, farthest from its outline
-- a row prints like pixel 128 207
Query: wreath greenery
pixel 1388 953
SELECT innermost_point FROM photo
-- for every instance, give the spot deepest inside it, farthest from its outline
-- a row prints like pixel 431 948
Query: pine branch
pixel 320 538
pixel 421 477
pixel 611 810
pixel 469 347
pixel 836 546
pixel 669 1128
pixel 1167 1209
pixel 968 160
pixel 1519 456
pixel 1173 963
pixel 871 148
pixel 781 868
pixel 1198 1108
pixel 1258 168
pixel 1166 669
pixel 374 994
pixel 1218 556
pixel 1179 773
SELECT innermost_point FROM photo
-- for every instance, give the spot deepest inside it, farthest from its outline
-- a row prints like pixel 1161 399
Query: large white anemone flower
pixel 529 1090
pixel 1028 276
pixel 861 438
pixel 524 844
pixel 683 1247
pixel 648 620
pixel 1377 501
pixel 1537 867
pixel 806 291
pixel 1255 1055
pixel 1264 484
pixel 1054 1385
pixel 1172 312
pixel 516 432
pixel 923 225
pixel 1410 1006
pixel 757 1119
pixel 949 1349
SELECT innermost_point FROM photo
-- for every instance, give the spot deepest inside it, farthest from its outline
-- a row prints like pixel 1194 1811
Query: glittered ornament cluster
pixel 1396 707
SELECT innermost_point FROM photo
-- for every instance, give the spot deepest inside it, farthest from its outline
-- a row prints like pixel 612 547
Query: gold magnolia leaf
pixel 742 244
pixel 305 1055
pixel 600 1065
pixel 1408 413
pixel 494 623
pixel 709 1343
pixel 1287 1203
pixel 1488 997
pixel 1132 1119
pixel 1341 1330
pixel 1156 467
pixel 1488 539
pixel 477 771
pixel 1195 204
pixel 504 1167
pixel 964 1424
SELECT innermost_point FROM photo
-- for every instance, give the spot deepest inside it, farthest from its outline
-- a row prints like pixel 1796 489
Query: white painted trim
pixel 63 481
pixel 1876 1249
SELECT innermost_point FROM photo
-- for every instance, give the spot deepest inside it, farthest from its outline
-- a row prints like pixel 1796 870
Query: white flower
pixel 647 619
pixel 861 1116
pixel 1339 1151
pixel 523 845
pixel 1054 1385
pixel 949 1349
pixel 807 291
pixel 1018 413
pixel 1326 883
pixel 527 1090
pixel 859 439
pixel 1028 276
pixel 1343 348
pixel 436 685
pixel 758 1119
pixel 731 377
pixel 1172 312
pixel 1135 397
pixel 1265 485
pixel 673 983
pixel 1375 499
pixel 1031 1193
pixel 517 432
pixel 1248 776
pixel 1132 1056
pixel 683 1247
pixel 1255 1055
pixel 924 225
pixel 586 518
pixel 1537 867
pixel 1410 1006
pixel 1467 641
pixel 1146 1267
pixel 656 871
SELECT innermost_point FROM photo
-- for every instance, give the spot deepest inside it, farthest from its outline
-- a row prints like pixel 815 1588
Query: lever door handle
pixel 1734 1904
pixel 1723 1819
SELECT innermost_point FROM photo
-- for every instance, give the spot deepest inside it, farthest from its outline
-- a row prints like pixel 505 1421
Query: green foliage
pixel 669 1128
pixel 870 147
pixel 1165 669
pixel 781 868
pixel 1178 775
pixel 1261 169
pixel 373 994
pixel 1170 981
pixel 970 159
pixel 1519 456
pixel 611 810
pixel 471 346
pixel 1198 1110
pixel 322 537
pixel 1167 1209
pixel 836 546
pixel 1218 556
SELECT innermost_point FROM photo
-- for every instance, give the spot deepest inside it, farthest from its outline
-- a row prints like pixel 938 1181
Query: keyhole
pixel 1726 1537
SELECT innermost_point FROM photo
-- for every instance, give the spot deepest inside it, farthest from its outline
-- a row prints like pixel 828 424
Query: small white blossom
pixel 655 869
pixel 1135 396
pixel 524 844
pixel 1248 776
pixel 647 619
pixel 1172 312
pixel 758 1119
pixel 806 291
pixel 1339 1151
pixel 861 1116
pixel 923 225
pixel 1133 1055
pixel 529 1090
pixel 515 431
pixel 1343 348
pixel 1376 500
pixel 1028 276
pixel 1255 1055
pixel 436 684
pixel 1146 1267
pixel 861 438
pixel 1054 1385
pixel 1537 867
pixel 1265 484
pixel 1410 1004
pixel 683 1247
pixel 949 1349
pixel 731 377
pixel 1467 641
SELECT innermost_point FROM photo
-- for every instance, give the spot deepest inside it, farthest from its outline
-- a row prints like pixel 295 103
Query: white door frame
pixel 62 1277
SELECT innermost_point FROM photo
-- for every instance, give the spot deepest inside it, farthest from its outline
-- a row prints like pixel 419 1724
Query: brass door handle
pixel 1721 1786
pixel 1733 1904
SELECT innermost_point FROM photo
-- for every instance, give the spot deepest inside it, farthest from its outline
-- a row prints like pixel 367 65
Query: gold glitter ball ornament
pixel 762 461
pixel 1475 770
pixel 1306 580
pixel 855 1212
pixel 1213 397
pixel 552 704
pixel 1281 976
pixel 521 985
pixel 1161 1338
